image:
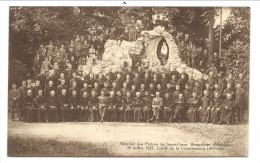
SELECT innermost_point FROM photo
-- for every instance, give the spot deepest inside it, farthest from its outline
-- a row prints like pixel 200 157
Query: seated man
pixel 147 106
pixel 119 107
pixel 216 108
pixel 193 107
pixel 227 110
pixel 137 106
pixel 74 107
pixel 52 106
pixel 167 108
pixel 179 106
pixel 127 104
pixel 102 103
pixel 204 110
pixel 29 106
pixel 93 107
pixel 64 106
pixel 157 106
pixel 83 105
pixel 40 103
pixel 111 110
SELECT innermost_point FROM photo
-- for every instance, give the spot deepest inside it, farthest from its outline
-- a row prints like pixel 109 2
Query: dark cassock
pixel 216 109
pixel 74 109
pixel 52 107
pixel 178 111
pixel 111 109
pixel 64 108
pixel 147 107
pixel 120 108
pixel 192 111
pixel 93 108
pixel 167 109
pixel 241 104
pixel 40 103
pixel 30 109
pixel 227 111
pixel 203 112
pixel 137 106
pixel 83 105
pixel 127 104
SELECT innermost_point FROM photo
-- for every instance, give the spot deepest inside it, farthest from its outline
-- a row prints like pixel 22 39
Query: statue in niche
pixel 163 51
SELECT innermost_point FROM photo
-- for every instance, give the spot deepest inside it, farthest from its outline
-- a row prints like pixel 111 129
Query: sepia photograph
pixel 128 81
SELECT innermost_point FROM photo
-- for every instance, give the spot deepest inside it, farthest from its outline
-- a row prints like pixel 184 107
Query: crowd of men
pixel 70 94
pixel 60 91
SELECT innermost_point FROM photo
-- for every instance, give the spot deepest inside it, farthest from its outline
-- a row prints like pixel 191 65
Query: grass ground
pixel 96 139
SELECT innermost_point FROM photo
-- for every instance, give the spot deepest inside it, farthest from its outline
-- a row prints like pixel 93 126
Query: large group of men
pixel 70 94
pixel 60 91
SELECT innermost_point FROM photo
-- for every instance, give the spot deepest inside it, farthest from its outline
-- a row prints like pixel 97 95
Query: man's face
pixel 240 76
pixel 29 92
pixel 229 96
pixel 14 86
pixel 128 94
pixel 24 84
pixel 74 93
pixel 180 96
pixel 63 92
pixel 85 94
pixel 52 93
pixel 167 95
pixel 114 85
pixel 50 83
pixel 228 85
pixel 177 87
pixel 40 93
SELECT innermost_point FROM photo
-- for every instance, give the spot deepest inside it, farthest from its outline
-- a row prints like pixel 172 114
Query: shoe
pixel 156 122
pixel 206 122
pixel 125 121
pixel 179 122
pixel 147 121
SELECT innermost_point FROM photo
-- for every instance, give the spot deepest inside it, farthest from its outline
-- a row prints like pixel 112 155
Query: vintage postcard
pixel 128 81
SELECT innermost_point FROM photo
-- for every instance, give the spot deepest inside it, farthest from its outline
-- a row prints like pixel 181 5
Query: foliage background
pixel 31 26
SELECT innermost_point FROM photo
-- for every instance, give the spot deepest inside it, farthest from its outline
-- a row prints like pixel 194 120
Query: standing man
pixel 14 100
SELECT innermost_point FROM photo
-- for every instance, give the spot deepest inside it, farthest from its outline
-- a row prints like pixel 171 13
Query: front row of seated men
pixel 116 108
